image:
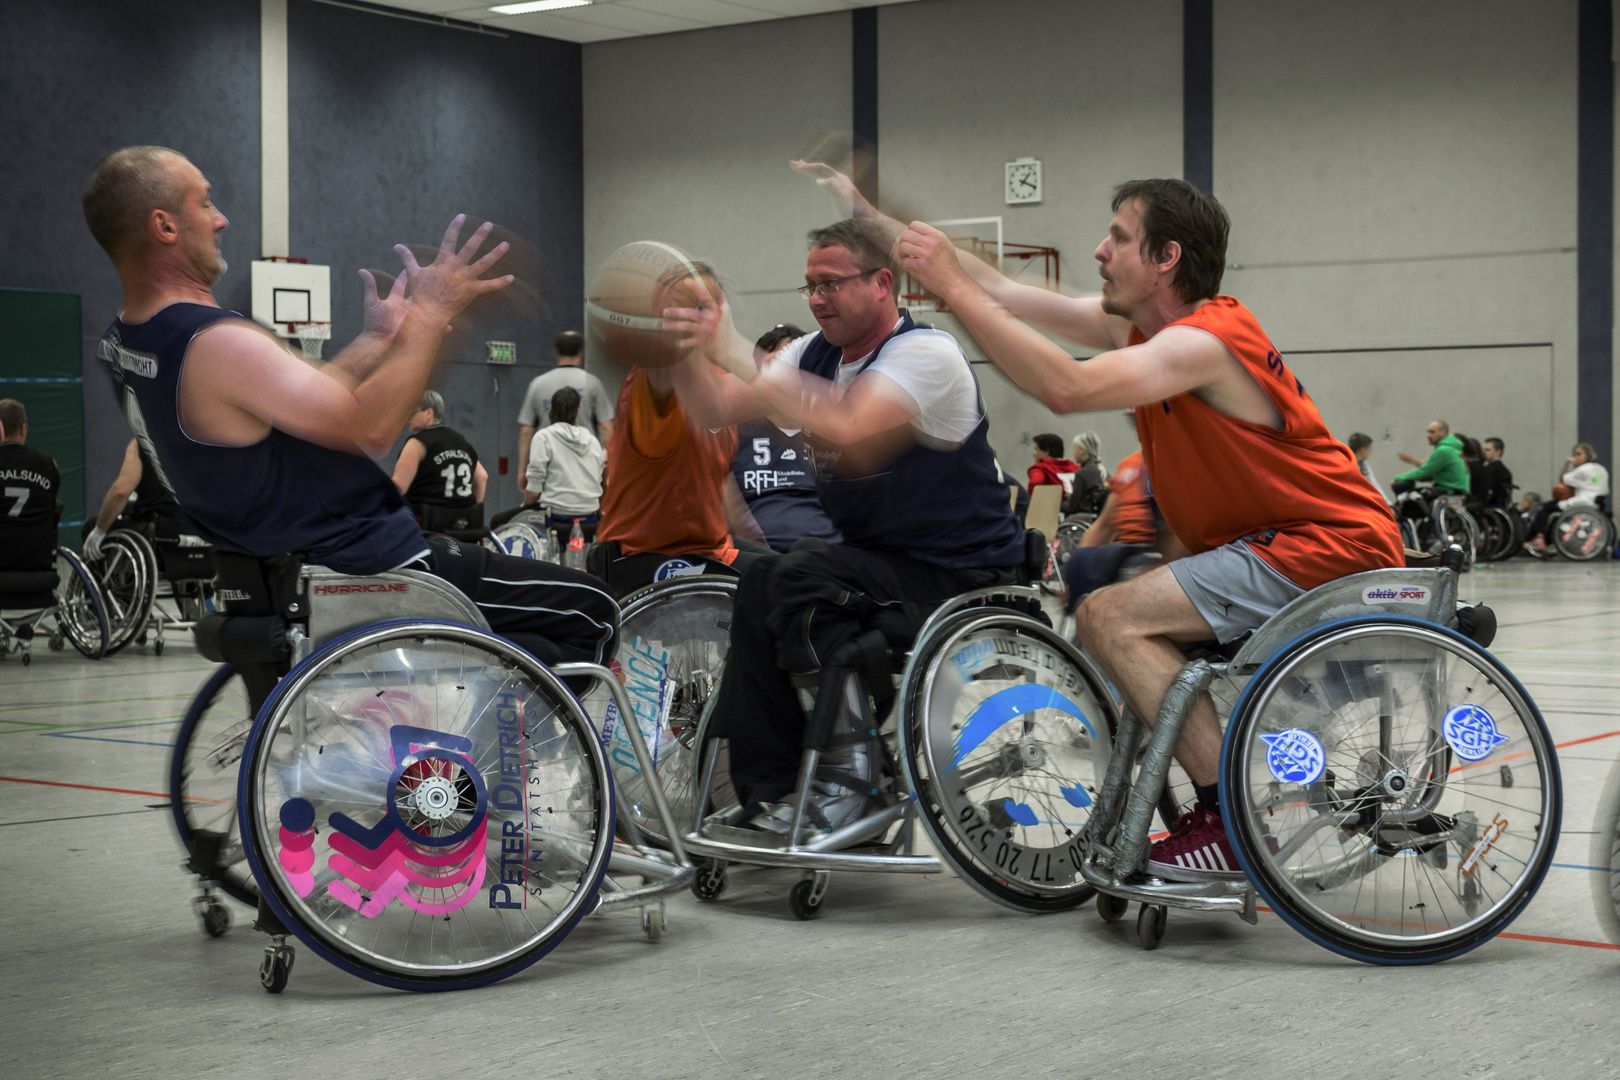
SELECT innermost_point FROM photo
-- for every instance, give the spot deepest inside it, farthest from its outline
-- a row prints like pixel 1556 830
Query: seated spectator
pixel 1497 479
pixel 1444 467
pixel 1049 468
pixel 773 472
pixel 31 486
pixel 565 470
pixel 1361 445
pixel 1129 524
pixel 1582 482
pixel 438 471
pixel 1091 481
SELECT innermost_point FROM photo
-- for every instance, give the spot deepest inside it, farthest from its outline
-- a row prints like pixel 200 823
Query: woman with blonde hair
pixel 1091 481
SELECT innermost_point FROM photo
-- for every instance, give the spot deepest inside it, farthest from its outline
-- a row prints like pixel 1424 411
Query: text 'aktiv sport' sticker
pixel 1295 756
pixel 1395 594
pixel 1471 732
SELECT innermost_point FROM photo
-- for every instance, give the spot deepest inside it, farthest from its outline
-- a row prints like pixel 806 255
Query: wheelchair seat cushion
pixel 27 581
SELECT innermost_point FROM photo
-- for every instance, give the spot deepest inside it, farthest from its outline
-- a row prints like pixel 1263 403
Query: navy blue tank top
pixel 774 473
pixel 945 507
pixel 279 495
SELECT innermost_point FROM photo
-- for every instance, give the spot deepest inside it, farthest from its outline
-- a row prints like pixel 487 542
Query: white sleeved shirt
pixel 1589 481
pixel 931 375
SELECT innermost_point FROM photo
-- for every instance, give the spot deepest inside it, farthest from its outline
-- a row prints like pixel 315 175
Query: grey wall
pixel 395 127
pixel 1400 176
pixel 1403 176
pixel 79 80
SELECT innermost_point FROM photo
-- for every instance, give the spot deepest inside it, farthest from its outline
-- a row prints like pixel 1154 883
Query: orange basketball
pixel 1562 491
pixel 624 308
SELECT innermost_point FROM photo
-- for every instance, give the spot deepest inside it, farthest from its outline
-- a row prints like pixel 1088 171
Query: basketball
pixel 624 308
pixel 1563 491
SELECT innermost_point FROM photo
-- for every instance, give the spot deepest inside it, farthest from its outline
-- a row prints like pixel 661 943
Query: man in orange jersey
pixel 1243 468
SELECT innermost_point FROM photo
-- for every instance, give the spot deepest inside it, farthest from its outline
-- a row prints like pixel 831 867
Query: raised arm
pixel 239 381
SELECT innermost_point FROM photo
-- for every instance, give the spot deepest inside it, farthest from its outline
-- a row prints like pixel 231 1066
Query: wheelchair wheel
pixel 79 610
pixel 523 540
pixel 673 641
pixel 1004 737
pixel 1391 790
pixel 1582 533
pixel 1455 525
pixel 203 770
pixel 128 580
pixel 722 795
pixel 1503 529
pixel 1604 857
pixel 426 806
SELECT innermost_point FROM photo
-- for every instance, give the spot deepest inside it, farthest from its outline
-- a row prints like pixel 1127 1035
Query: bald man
pixel 277 453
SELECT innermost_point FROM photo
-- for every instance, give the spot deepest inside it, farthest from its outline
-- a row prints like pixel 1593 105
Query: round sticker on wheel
pixel 675 568
pixel 1471 732
pixel 1295 756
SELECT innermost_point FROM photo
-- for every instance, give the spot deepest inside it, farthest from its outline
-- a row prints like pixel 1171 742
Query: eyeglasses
pixel 828 288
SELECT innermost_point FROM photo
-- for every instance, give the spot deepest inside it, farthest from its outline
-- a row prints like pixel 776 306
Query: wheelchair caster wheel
pixel 652 921
pixel 805 899
pixel 216 917
pixel 710 880
pixel 157 649
pixel 1112 908
pixel 55 644
pixel 275 967
pixel 1150 924
pixel 27 659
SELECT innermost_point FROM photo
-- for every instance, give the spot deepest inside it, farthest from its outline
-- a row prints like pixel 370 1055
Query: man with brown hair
pixel 276 453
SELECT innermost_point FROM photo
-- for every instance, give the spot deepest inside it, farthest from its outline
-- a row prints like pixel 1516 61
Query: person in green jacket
pixel 1445 466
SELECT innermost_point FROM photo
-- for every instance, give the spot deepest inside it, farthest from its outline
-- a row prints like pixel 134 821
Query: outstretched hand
pixel 929 256
pixel 840 185
pixel 384 314
pixel 453 280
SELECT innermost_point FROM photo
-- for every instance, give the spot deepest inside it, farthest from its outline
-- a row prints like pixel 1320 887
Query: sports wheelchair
pixel 1001 735
pixel 350 771
pixel 1583 533
pixel 64 602
pixel 1444 522
pixel 1389 788
pixel 1604 857
pixel 153 582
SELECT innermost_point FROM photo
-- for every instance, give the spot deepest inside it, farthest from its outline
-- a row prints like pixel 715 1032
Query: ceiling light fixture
pixel 537 5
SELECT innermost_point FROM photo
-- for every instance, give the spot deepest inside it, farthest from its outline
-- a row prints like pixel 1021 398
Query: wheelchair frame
pixel 329 605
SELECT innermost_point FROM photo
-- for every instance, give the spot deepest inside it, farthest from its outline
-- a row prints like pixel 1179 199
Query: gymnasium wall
pixel 394 127
pixel 1401 178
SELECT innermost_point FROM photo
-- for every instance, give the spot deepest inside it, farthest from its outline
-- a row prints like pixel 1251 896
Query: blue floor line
pixel 1578 866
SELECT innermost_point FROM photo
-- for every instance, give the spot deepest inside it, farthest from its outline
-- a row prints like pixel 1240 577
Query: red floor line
pixel 1526 753
pixel 85 787
pixel 1589 738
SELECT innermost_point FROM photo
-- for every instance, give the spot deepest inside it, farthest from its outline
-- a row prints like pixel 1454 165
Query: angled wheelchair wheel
pixel 673 641
pixel 127 575
pixel 1391 790
pixel 523 540
pixel 1455 525
pixel 426 806
pixel 1004 736
pixel 1604 857
pixel 1502 527
pixel 80 614
pixel 1582 533
pixel 713 768
pixel 204 766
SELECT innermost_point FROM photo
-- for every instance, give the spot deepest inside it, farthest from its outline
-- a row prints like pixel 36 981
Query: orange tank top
pixel 1295 496
pixel 664 480
pixel 1133 503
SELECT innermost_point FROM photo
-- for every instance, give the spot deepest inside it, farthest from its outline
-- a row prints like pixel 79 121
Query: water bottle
pixel 575 557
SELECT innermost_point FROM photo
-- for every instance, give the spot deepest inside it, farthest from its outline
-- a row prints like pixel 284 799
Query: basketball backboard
pixel 289 292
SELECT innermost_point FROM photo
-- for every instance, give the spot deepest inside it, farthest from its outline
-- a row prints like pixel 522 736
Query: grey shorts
pixel 1234 589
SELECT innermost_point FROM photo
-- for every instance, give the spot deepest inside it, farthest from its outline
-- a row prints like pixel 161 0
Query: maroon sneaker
pixel 1195 850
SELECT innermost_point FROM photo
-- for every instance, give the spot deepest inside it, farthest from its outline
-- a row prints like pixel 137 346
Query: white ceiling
pixel 605 20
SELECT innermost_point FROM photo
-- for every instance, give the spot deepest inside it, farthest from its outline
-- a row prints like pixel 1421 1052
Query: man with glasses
pixel 902 462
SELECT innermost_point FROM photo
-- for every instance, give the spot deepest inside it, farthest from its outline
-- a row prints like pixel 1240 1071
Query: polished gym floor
pixel 103 968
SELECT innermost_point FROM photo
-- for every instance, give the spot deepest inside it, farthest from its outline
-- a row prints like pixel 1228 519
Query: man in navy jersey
pixel 271 453
pixel 898 436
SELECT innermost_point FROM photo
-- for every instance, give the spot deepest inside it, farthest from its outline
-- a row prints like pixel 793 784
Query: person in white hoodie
pixel 565 470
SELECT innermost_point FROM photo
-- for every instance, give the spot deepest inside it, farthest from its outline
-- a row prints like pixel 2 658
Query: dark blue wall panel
pixel 398 126
pixel 80 79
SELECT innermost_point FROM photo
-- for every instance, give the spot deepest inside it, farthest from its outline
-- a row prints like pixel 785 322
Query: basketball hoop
pixel 310 335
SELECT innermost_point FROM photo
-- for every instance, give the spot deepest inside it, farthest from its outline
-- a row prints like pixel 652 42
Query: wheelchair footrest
pixel 1234 896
